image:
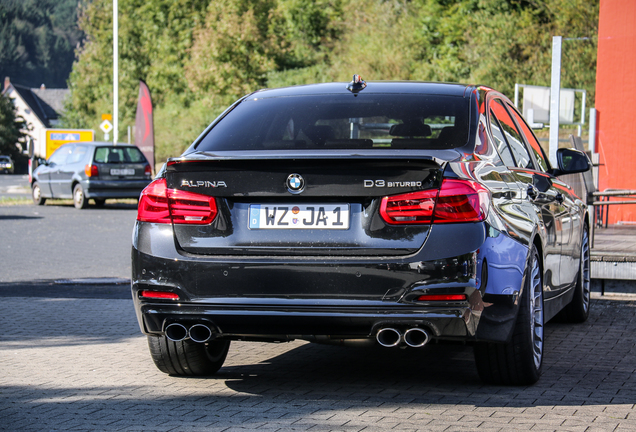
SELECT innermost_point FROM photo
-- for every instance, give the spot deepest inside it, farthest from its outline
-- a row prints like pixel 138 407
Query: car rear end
pixel 330 217
pixel 116 171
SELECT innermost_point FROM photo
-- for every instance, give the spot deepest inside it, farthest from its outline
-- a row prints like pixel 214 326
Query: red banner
pixel 144 127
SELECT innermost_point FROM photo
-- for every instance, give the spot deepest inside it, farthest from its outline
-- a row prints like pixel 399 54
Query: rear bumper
pixel 114 188
pixel 284 298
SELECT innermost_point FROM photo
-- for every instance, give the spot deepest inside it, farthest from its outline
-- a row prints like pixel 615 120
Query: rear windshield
pixel 342 121
pixel 118 155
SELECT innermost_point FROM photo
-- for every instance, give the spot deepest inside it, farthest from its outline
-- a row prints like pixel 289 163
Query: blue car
pixel 91 170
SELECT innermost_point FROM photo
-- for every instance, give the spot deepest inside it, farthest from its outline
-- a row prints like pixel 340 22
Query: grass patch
pixel 11 201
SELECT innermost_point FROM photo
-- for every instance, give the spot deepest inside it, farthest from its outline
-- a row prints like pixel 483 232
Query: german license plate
pixel 296 216
pixel 122 171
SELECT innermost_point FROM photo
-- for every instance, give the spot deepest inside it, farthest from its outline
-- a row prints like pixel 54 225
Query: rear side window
pixel 500 142
pixel 342 121
pixel 513 136
pixel 116 154
pixel 539 155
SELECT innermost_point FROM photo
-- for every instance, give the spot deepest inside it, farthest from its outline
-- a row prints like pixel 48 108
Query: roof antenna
pixel 356 84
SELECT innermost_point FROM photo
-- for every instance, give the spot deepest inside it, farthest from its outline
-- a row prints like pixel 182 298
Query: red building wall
pixel 616 101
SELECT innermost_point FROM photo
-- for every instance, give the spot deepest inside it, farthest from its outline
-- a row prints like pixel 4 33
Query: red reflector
pixel 456 201
pixel 442 297
pixel 91 170
pixel 159 204
pixel 159 295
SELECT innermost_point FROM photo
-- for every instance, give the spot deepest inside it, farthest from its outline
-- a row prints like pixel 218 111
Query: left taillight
pixel 455 201
pixel 91 170
pixel 159 204
pixel 148 171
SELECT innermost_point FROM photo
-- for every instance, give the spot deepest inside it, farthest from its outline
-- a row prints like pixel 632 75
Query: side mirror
pixel 571 161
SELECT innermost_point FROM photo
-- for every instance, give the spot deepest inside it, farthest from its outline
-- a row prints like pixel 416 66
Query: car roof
pixel 373 87
pixel 99 144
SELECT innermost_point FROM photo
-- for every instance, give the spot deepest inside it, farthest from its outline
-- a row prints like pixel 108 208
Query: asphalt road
pixel 14 186
pixel 56 241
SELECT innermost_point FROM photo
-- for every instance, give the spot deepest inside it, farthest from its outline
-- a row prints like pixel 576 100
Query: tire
pixel 187 358
pixel 99 202
pixel 579 308
pixel 36 194
pixel 519 361
pixel 79 199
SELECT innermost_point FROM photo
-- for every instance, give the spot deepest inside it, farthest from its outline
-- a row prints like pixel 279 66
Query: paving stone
pixel 81 364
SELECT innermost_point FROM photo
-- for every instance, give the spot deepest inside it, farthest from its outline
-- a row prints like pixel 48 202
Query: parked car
pixel 6 164
pixel 388 213
pixel 96 170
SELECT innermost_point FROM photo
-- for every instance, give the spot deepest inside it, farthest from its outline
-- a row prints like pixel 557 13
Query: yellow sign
pixel 108 117
pixel 56 137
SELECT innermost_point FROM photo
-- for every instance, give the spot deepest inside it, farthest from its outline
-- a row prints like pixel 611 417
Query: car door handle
pixel 532 192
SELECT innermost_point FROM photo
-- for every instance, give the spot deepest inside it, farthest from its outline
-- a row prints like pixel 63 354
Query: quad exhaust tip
pixel 199 333
pixel 414 337
pixel 176 332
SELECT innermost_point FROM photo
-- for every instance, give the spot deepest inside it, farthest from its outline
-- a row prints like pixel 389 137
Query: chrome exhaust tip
pixel 200 333
pixel 416 337
pixel 176 332
pixel 388 337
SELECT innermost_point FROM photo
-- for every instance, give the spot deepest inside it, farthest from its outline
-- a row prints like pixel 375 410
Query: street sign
pixel 54 138
pixel 106 126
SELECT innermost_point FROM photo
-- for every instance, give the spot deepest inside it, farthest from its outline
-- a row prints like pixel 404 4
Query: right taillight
pixel 159 204
pixel 455 201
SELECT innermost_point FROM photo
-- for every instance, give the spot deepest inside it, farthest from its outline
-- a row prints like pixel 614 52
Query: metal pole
pixel 591 144
pixel 555 90
pixel 516 95
pixel 115 73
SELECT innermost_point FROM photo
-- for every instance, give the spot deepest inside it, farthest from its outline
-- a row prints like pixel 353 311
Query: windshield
pixel 342 121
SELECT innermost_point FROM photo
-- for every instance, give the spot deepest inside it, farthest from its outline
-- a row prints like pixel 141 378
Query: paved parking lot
pixel 81 364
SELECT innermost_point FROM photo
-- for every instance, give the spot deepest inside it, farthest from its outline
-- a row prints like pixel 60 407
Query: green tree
pixel 37 41
pixel 12 127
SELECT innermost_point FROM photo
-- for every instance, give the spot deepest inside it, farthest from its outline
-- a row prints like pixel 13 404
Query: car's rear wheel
pixel 579 308
pixel 519 361
pixel 79 199
pixel 36 193
pixel 187 358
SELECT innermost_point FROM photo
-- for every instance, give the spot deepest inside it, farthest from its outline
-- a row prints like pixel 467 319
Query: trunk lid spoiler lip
pixel 440 157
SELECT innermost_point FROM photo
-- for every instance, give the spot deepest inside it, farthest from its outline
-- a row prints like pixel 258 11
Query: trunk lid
pixel 263 209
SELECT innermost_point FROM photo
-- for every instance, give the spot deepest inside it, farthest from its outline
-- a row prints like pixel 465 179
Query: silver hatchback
pixel 91 170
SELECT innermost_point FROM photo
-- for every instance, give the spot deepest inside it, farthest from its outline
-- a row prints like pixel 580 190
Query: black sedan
pixel 96 170
pixel 390 213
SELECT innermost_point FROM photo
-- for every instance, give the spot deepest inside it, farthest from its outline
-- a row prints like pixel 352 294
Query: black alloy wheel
pixel 578 310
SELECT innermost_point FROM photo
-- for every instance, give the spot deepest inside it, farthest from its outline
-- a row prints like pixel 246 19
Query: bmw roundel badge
pixel 295 183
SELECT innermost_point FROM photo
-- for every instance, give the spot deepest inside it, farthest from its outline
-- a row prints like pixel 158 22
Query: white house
pixel 40 107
